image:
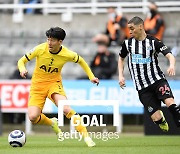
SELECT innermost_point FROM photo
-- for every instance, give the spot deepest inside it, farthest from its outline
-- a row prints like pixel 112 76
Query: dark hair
pixel 56 32
pixel 136 21
pixel 102 43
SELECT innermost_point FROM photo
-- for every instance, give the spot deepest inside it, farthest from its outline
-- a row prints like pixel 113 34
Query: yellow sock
pixel 70 114
pixel 80 128
pixel 43 120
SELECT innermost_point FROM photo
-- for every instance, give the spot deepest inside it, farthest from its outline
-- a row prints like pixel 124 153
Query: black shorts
pixel 152 96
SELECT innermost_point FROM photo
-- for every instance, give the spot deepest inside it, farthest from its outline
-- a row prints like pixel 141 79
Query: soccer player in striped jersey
pixel 47 81
pixel 142 51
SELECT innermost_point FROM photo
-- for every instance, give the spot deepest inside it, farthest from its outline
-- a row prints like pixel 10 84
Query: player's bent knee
pixel 33 118
pixel 34 113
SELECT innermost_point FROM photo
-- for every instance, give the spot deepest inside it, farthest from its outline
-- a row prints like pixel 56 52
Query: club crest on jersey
pixel 149 48
pixel 150 109
pixel 49 69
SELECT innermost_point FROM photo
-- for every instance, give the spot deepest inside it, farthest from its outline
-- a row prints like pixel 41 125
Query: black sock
pixel 160 121
pixel 175 111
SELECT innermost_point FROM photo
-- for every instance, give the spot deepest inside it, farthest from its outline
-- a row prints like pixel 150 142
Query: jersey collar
pixel 56 52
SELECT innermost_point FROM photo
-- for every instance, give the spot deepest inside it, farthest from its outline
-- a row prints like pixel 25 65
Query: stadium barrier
pixel 94 6
pixel 14 97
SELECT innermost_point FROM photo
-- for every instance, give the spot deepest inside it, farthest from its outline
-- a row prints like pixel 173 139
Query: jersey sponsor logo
pixel 163 48
pixel 138 59
pixel 49 69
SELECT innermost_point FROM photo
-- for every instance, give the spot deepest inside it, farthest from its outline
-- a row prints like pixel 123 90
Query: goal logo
pixel 89 121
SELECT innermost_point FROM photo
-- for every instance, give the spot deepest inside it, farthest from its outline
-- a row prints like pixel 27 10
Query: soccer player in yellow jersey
pixel 47 81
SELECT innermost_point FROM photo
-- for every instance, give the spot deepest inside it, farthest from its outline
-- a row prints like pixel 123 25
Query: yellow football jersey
pixel 48 66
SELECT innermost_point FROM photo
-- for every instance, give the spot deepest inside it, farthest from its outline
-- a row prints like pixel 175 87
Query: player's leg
pixel 159 119
pixel 36 117
pixel 38 94
pixel 174 110
pixel 68 112
pixel 156 116
pixel 152 105
pixel 164 93
pixel 35 106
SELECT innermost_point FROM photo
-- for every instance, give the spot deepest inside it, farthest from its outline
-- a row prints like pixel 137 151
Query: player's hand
pixel 23 74
pixel 171 71
pixel 95 81
pixel 122 82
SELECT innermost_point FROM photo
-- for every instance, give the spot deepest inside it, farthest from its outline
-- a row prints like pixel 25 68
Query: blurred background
pixel 95 29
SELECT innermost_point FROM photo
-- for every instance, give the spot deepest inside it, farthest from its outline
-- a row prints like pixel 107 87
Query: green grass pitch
pixel 133 144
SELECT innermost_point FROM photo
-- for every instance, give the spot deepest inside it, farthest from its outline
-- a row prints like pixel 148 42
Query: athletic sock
pixel 161 121
pixel 80 128
pixel 175 111
pixel 43 120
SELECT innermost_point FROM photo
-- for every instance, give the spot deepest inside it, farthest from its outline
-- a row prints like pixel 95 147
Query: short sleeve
pixel 123 50
pixel 160 47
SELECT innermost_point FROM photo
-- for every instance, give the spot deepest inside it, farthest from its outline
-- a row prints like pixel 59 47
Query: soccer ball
pixel 17 138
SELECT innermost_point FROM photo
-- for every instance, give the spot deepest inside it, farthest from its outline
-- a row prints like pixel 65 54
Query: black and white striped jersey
pixel 142 60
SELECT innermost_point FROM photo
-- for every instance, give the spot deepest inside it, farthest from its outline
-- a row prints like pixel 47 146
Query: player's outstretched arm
pixel 121 72
pixel 23 60
pixel 21 66
pixel 172 61
pixel 88 71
